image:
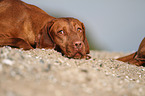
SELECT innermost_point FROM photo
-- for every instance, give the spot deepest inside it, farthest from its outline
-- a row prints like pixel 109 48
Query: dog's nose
pixel 78 44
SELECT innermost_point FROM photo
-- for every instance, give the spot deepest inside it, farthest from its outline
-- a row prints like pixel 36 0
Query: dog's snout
pixel 78 44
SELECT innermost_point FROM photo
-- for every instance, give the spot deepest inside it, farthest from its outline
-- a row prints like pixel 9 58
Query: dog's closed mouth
pixel 77 55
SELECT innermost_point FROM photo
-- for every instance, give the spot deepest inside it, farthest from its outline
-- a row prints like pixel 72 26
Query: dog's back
pixel 21 20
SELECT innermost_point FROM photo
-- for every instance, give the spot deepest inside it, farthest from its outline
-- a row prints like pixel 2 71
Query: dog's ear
pixel 44 39
pixel 86 41
pixel 141 49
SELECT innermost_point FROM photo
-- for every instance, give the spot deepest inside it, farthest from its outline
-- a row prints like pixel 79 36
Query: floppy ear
pixel 86 41
pixel 44 39
pixel 141 49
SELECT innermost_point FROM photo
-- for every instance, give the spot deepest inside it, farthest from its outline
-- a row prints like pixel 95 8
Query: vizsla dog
pixel 137 58
pixel 27 26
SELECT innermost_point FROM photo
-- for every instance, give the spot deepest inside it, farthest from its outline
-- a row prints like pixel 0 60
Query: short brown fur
pixel 26 26
pixel 137 58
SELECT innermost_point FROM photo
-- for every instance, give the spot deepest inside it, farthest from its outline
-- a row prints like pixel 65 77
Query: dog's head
pixel 66 35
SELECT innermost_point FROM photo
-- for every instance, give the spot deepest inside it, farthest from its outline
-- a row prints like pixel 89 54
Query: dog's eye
pixel 79 30
pixel 60 32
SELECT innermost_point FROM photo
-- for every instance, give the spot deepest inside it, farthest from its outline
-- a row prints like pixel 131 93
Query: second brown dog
pixel 137 58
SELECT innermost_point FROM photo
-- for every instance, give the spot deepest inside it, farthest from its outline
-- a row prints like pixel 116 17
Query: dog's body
pixel 136 58
pixel 22 21
pixel 27 26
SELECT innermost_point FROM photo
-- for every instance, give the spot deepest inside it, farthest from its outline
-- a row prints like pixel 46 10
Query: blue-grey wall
pixel 115 25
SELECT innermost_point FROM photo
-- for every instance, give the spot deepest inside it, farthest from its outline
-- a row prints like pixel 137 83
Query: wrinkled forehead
pixel 67 22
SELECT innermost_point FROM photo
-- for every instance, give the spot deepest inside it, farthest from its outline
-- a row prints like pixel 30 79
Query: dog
pixel 136 58
pixel 26 26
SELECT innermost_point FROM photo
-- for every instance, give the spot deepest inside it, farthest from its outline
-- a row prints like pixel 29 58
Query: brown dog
pixel 137 58
pixel 27 26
